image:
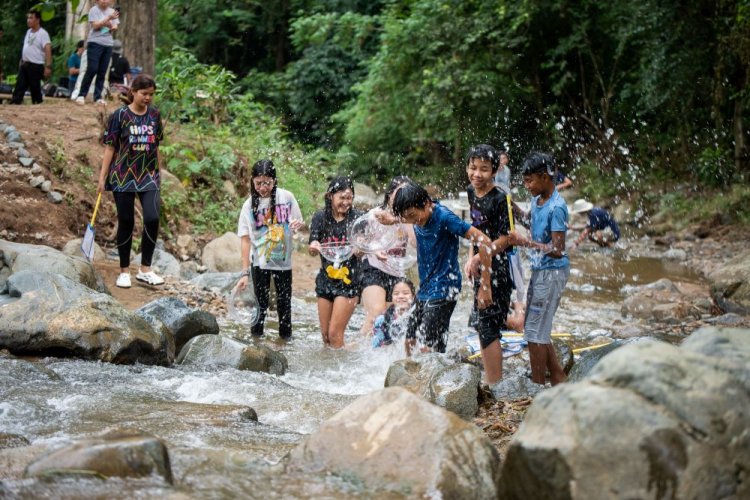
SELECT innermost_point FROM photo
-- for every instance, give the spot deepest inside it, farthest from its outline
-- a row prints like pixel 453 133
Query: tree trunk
pixel 138 32
pixel 74 30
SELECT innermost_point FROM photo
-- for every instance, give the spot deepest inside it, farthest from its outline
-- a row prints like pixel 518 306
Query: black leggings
pixel 125 202
pixel 262 284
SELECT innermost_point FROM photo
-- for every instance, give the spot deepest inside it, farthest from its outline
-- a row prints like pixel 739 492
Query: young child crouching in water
pixel 392 324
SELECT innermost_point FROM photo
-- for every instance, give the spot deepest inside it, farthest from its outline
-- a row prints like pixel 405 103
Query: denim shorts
pixel 545 289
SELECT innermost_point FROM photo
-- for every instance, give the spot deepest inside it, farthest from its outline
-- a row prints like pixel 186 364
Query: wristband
pixel 246 272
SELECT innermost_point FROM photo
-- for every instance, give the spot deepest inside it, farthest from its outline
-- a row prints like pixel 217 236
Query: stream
pixel 215 450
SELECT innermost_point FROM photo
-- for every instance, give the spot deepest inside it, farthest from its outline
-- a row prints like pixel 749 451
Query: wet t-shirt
pixel 599 219
pixel 269 231
pixel 136 138
pixel 489 214
pixel 325 229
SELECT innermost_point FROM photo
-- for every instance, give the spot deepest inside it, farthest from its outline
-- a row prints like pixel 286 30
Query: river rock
pixel 217 351
pixel 515 387
pixel 182 322
pixel 589 359
pixel 682 421
pixel 677 254
pixel 730 285
pixel 220 282
pixel 116 453
pixel 73 249
pixel 187 245
pixel 223 254
pixel 394 439
pixel 453 386
pixel 57 316
pixel 20 257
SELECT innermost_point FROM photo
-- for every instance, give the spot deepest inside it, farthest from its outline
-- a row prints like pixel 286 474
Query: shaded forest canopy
pixel 617 90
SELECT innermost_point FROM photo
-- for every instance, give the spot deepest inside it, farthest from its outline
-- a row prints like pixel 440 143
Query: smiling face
pixel 537 184
pixel 480 174
pixel 263 185
pixel 402 295
pixel 341 202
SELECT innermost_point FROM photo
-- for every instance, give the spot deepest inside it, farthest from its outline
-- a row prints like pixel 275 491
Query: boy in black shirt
pixel 489 214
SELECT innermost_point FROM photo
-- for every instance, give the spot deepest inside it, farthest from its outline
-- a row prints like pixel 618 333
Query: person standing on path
pixel 130 167
pixel 36 60
pixel 103 20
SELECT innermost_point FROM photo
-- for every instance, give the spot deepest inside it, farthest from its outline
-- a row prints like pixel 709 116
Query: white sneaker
pixel 123 280
pixel 80 100
pixel 150 277
pixel 102 102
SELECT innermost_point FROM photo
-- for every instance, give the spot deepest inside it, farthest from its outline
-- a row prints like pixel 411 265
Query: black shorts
pixel 489 322
pixel 328 288
pixel 372 276
pixel 429 322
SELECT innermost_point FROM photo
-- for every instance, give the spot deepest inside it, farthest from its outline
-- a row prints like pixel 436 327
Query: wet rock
pixel 730 285
pixel 56 316
pixel 117 453
pixel 223 254
pixel 12 441
pixel 20 257
pixel 14 370
pixel 217 351
pixel 394 439
pixel 682 416
pixel 675 254
pixel 629 332
pixel 453 386
pixel 182 322
pixel 515 387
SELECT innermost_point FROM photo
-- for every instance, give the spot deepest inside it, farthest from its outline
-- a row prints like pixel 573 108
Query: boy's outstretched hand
pixel 517 240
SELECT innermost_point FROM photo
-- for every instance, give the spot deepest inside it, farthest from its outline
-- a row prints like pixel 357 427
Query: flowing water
pixel 216 451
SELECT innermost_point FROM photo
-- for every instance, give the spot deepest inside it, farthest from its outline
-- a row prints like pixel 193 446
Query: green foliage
pixel 714 167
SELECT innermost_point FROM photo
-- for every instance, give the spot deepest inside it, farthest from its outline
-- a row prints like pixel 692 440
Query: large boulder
pixel 116 453
pixel 21 257
pixel 454 386
pixel 223 254
pixel 663 301
pixel 209 351
pixel 394 439
pixel 651 420
pixel 182 322
pixel 73 249
pixel 162 261
pixel 222 283
pixel 730 285
pixel 56 316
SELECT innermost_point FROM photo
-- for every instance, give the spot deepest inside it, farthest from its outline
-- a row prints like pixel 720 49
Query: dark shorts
pixel 429 322
pixel 329 289
pixel 490 322
pixel 372 276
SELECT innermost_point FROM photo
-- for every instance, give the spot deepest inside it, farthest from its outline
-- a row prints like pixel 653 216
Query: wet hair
pixel 263 168
pixel 35 13
pixel 411 195
pixel 407 282
pixel 538 163
pixel 337 185
pixel 484 152
pixel 140 82
pixel 396 183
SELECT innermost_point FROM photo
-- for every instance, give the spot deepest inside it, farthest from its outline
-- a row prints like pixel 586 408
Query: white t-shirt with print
pixel 33 46
pixel 270 234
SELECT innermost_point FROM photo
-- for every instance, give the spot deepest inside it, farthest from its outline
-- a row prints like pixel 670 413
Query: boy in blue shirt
pixel 550 267
pixel 74 66
pixel 437 230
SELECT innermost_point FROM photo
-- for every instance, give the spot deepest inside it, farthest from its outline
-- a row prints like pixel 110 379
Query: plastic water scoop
pixel 87 245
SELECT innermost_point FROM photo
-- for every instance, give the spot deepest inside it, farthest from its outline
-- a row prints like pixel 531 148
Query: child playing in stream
pixel 550 268
pixel 437 231
pixel 337 285
pixel 489 214
pixel 392 324
pixel 267 220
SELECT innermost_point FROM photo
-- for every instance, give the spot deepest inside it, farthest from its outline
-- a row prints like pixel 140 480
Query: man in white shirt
pixel 36 60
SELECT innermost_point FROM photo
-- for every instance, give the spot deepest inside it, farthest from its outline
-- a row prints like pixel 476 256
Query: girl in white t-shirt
pixel 267 220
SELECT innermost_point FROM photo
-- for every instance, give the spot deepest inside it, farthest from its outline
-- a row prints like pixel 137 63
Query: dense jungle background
pixel 644 101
